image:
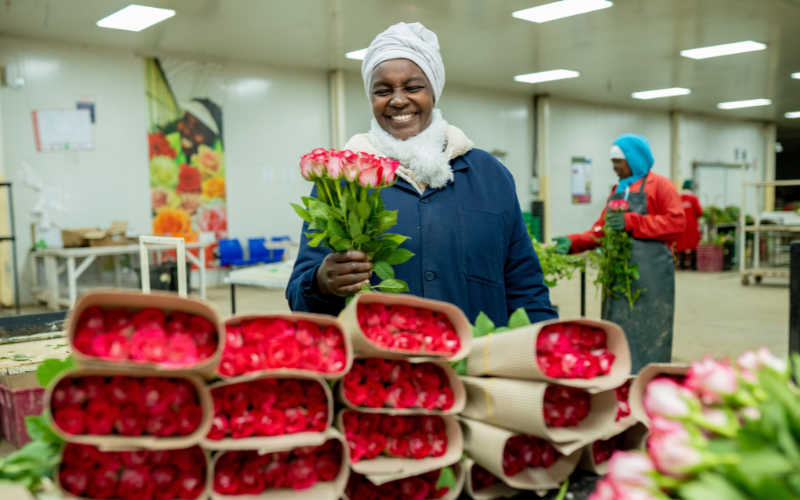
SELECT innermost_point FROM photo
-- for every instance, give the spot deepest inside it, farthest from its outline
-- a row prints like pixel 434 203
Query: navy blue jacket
pixel 470 242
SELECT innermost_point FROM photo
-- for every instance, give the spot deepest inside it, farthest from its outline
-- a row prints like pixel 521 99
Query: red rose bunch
pixel 248 473
pixel 149 335
pixel 565 406
pixel 273 343
pixel 415 437
pixel 388 383
pixel 482 478
pixel 405 328
pixel 602 450
pixel 570 350
pixel 422 487
pixel 527 451
pixel 268 407
pixel 88 472
pixel 126 406
pixel 623 407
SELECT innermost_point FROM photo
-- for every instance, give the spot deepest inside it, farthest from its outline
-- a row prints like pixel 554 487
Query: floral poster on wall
pixel 187 154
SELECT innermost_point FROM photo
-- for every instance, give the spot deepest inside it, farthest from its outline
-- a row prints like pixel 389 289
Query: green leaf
pixel 483 325
pixel 50 368
pixel 322 223
pixel 38 430
pixel 354 225
pixel 383 270
pixel 393 238
pixel 363 210
pixel 393 286
pixel 710 486
pixel 460 367
pixel 302 212
pixel 501 329
pixel 519 319
pixel 359 240
pixel 315 241
pixel 386 220
pixel 399 256
pixel 447 479
pixel 335 229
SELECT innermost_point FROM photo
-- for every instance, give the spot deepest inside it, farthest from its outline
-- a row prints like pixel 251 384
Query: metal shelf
pixel 772 228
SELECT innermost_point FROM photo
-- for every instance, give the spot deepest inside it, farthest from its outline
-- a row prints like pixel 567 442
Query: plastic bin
pixel 709 258
pixel 15 405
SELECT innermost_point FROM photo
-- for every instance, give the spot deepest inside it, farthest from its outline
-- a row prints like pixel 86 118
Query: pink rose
pixel 111 345
pixel 664 397
pixel 149 345
pixel 711 380
pixel 631 469
pixel 215 219
pixel 672 456
pixel 181 350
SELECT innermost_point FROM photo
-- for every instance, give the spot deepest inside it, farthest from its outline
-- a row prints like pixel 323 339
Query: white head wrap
pixel 616 153
pixel 406 41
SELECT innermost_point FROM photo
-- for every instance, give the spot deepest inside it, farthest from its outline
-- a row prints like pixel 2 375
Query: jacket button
pixel 425 200
pixel 430 276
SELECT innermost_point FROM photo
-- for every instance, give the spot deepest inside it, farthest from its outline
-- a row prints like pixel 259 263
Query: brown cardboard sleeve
pixel 121 443
pixel 633 440
pixel 485 443
pixel 320 319
pixel 512 354
pixel 258 442
pixel 624 423
pixel 206 491
pixel 459 398
pixel 134 301
pixel 385 468
pixel 499 490
pixel 363 346
pixel 648 373
pixel 517 405
pixel 332 490
pixel 453 494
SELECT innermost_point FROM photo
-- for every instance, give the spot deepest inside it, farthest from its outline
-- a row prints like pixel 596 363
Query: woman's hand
pixel 343 273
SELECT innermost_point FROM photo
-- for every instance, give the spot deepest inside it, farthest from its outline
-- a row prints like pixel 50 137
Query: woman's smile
pixel 402 118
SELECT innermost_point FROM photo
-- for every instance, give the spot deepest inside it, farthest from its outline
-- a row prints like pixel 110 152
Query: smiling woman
pixel 457 204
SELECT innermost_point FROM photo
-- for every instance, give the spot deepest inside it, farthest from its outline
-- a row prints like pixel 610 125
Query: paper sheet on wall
pixel 581 180
pixel 63 130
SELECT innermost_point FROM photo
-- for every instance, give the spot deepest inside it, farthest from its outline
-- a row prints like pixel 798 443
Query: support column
pixel 770 137
pixel 543 158
pixel 675 149
pixel 338 125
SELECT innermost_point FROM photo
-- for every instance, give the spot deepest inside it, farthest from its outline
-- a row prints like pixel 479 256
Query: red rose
pixel 311 359
pixel 376 443
pixel 332 338
pixel 95 387
pixel 388 491
pixel 358 447
pixel 148 345
pixel 251 482
pixel 451 343
pixel 123 390
pixel 379 335
pixel 117 319
pixel 134 484
pixel 255 330
pixel 92 318
pixel 81 456
pixel 149 318
pixel 301 474
pixel 393 425
pixel 427 399
pixel 432 339
pixel 423 318
pixel 307 333
pixel 190 484
pixel 110 346
pixel 237 398
pixel 181 350
pixel 139 458
pixel 70 420
pixel 400 372
pixel 376 394
pixel 100 417
pixel 227 368
pixel 290 394
pixel 350 421
pixel 402 317
pixel 275 475
pixel 271 422
pixel 162 457
pixel 74 480
pixel 328 466
pixel 419 446
pixel 549 455
pixel 189 180
pixel 317 418
pixel 356 394
pixel 431 424
pixel 284 353
pixel 234 338
pixel 178 322
pixel 414 488
pixel 295 421
pixel 446 399
pixel 401 395
pixel 314 392
pixel 185 393
pixel 83 342
pixel 264 393
pixel 397 447
pixel 249 359
pixel 104 484
pixel 189 418
pixel 512 464
pixel 428 376
pixel 226 482
pixel 438 445
pixel 68 393
pixel 157 394
pixel 377 369
pixel 163 424
pixel 243 424
pixel 164 481
pixel 369 422
pixel 189 459
pixel 407 342
pixel 481 478
pixel 372 314
pixel 335 361
pixel 605 361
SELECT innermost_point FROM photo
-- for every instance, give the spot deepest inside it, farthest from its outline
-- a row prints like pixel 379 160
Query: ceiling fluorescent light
pixel 547 76
pixel 135 18
pixel 654 94
pixel 558 10
pixel 744 104
pixel 357 54
pixel 723 50
pixel 792 114
pixel 796 75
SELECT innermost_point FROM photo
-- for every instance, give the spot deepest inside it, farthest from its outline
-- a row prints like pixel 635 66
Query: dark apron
pixel 648 326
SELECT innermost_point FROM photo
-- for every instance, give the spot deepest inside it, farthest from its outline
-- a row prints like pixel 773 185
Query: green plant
pixel 556 266
pixel 615 273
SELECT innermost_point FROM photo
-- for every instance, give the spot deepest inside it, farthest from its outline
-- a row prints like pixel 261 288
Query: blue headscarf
pixel 639 157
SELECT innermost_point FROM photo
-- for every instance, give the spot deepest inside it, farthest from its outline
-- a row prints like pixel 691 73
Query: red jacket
pixel 665 220
pixel 691 234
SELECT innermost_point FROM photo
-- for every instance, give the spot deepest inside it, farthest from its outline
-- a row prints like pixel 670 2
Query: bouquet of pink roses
pixel 348 212
pixel 728 431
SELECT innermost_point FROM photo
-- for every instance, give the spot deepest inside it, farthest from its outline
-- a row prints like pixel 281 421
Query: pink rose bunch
pixel 409 329
pixel 623 407
pixel 571 350
pixel 630 476
pixel 368 170
pixel 248 473
pixel 618 206
pixel 481 478
pixel 264 344
pixel 415 437
pixel 602 450
pixel 268 407
pixel 174 340
pixel 527 451
pixel 565 406
pixel 388 383
pixel 87 472
pixel 126 406
pixel 422 487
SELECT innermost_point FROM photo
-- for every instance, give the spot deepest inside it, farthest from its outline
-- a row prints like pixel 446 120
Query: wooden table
pixel 274 276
